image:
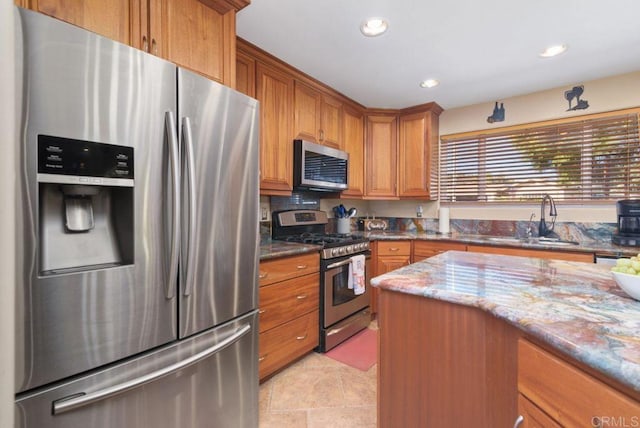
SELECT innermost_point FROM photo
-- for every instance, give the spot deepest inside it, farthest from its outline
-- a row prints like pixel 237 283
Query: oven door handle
pixel 338 264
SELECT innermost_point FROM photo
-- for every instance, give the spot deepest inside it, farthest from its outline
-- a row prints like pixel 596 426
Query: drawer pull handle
pixel 263 275
pixel 301 297
pixel 261 359
pixel 301 337
pixel 301 266
pixel 394 249
pixel 518 421
pixel 262 311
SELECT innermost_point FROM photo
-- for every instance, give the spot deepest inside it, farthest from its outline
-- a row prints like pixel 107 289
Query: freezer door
pixel 80 86
pixel 219 255
pixel 209 380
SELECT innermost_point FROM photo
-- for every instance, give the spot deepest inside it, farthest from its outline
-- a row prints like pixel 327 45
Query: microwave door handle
pixel 190 173
pixel 82 399
pixel 174 154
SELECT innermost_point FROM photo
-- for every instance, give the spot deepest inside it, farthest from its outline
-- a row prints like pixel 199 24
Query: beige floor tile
pixel 320 360
pixel 358 388
pixel 284 420
pixel 307 388
pixel 347 417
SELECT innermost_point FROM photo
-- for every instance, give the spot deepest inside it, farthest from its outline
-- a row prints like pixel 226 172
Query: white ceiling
pixel 481 51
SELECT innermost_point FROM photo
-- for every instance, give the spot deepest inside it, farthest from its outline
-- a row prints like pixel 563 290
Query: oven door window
pixel 340 285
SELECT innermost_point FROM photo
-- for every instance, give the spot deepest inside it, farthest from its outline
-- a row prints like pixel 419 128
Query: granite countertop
pixel 274 249
pixel 575 307
pixel 597 247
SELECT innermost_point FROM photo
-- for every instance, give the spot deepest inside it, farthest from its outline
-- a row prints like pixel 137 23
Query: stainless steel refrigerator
pixel 138 251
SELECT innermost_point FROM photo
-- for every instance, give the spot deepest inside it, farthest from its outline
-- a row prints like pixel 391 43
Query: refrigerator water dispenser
pixel 85 205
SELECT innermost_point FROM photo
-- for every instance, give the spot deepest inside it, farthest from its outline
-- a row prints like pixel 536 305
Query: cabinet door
pixel 413 156
pixel 573 256
pixel 307 103
pixel 245 74
pixel 353 143
pixel 194 36
pixel 113 19
pixel 331 122
pixel 532 416
pixel 274 90
pixel 380 157
pixel 386 264
pixel 426 249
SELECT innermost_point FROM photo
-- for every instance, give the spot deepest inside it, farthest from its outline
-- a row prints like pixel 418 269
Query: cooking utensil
pixel 352 212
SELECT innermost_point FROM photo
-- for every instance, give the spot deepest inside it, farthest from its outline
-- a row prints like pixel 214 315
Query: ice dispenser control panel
pixel 87 162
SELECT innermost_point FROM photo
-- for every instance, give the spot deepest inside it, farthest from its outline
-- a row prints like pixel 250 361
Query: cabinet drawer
pixel 394 248
pixel 426 249
pixel 287 342
pixel 288 267
pixel 569 395
pixel 289 299
pixel 573 256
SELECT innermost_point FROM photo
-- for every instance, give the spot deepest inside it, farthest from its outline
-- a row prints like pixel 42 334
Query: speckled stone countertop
pixel 597 247
pixel 576 308
pixel 274 249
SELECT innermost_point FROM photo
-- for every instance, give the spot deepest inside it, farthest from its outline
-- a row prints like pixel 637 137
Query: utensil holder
pixel 343 225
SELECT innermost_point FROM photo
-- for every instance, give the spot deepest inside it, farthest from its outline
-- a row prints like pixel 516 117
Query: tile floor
pixel 319 392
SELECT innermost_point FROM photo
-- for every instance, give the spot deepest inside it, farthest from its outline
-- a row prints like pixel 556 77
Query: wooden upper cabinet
pixel 194 36
pixel 317 117
pixel 186 32
pixel 353 143
pixel 274 90
pixel 245 74
pixel 113 19
pixel 417 150
pixel 381 157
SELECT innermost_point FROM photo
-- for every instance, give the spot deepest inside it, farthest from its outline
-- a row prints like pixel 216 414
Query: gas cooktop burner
pixel 308 227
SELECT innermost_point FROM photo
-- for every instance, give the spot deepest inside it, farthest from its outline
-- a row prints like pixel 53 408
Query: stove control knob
pixel 350 249
pixel 341 250
pixel 334 252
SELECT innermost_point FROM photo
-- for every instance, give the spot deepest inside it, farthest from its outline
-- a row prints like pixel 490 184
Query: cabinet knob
pixel 301 337
pixel 301 266
pixel 321 135
pixel 518 421
pixel 301 297
pixel 262 311
pixel 263 275
pixel 145 44
pixel 261 359
pixel 154 47
pixel 394 249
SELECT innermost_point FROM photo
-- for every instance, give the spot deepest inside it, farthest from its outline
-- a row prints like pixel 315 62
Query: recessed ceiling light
pixel 429 83
pixel 553 51
pixel 374 27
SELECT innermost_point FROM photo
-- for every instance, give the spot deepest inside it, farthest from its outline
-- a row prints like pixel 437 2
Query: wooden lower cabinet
pixel 574 256
pixel 289 310
pixel 448 365
pixel 388 256
pixel 532 416
pixel 425 249
pixel 286 343
pixel 570 396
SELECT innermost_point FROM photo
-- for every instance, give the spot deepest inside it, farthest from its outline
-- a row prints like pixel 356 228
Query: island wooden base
pixel 444 365
pixel 449 365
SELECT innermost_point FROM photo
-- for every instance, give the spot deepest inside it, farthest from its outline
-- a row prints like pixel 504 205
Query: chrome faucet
pixel 543 229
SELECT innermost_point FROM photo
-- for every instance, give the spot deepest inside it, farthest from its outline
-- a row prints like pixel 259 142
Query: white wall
pixel 613 93
pixel 7 177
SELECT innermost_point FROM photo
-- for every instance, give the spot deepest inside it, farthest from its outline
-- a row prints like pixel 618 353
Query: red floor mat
pixel 359 351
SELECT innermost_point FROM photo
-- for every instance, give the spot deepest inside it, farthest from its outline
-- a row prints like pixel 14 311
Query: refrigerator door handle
pixel 78 400
pixel 174 159
pixel 190 172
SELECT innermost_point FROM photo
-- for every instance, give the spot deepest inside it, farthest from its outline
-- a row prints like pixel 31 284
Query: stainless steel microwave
pixel 320 168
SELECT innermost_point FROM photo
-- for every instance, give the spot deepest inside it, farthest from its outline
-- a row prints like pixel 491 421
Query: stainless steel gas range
pixel 342 312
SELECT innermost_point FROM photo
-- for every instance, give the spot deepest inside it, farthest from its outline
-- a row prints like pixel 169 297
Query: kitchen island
pixel 470 339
